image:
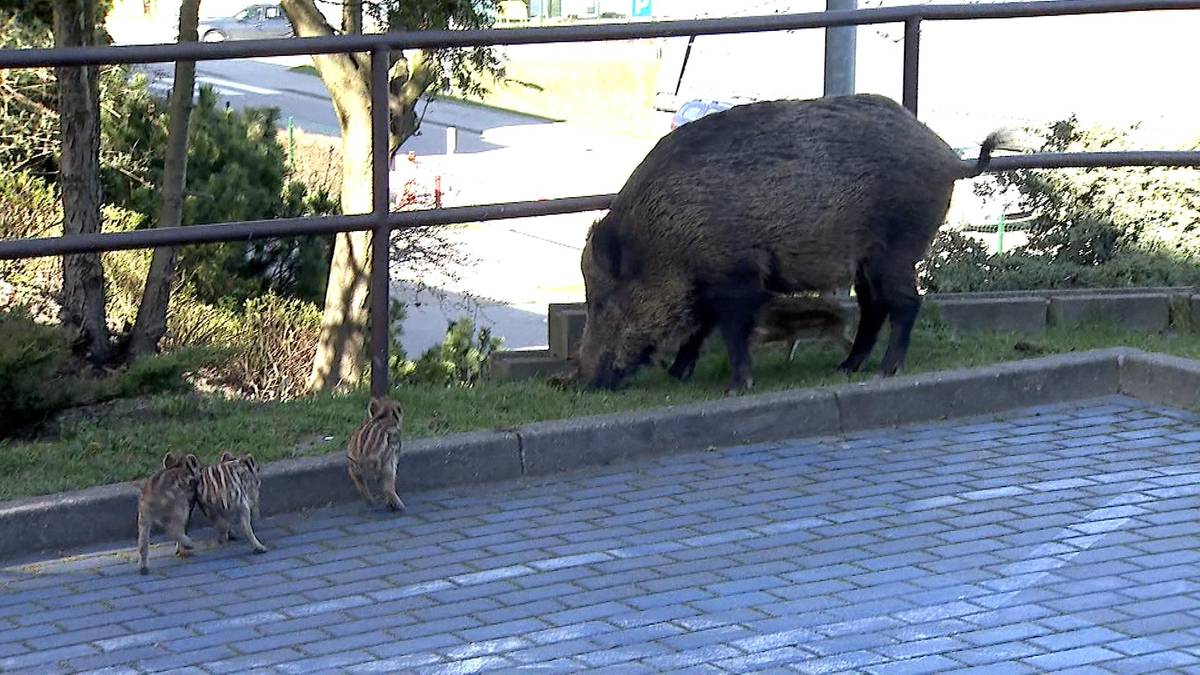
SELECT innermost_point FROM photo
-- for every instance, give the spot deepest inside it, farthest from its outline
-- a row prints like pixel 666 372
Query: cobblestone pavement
pixel 1058 538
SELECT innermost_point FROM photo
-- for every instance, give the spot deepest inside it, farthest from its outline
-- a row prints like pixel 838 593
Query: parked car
pixel 256 22
pixel 695 109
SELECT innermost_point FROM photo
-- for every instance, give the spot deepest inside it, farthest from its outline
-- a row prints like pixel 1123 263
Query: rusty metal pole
pixel 912 57
pixel 380 193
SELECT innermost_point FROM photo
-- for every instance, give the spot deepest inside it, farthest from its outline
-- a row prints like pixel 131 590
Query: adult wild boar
pixel 771 198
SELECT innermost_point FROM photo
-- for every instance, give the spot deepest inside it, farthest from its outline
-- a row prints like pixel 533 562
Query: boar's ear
pixel 610 254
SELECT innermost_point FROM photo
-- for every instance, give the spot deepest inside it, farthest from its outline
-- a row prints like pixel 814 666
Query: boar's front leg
pixel 689 353
pixel 736 319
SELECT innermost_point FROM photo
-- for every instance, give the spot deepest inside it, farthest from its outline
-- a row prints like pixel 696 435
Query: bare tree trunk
pixel 344 322
pixel 79 115
pixel 339 358
pixel 151 321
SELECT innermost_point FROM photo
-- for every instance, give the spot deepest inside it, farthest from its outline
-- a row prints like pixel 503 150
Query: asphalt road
pixel 500 156
pixel 303 98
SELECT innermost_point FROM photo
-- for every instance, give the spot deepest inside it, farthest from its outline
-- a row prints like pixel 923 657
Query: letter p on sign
pixel 641 7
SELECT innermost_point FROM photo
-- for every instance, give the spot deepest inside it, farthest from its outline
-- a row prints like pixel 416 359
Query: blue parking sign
pixel 641 7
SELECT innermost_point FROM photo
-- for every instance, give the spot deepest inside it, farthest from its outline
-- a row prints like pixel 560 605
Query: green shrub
pixel 461 359
pixel 275 349
pixel 40 376
pixel 158 374
pixel 237 170
pixel 1092 228
pixel 31 356
pixel 1091 216
pixel 266 347
pixel 30 207
pixel 956 264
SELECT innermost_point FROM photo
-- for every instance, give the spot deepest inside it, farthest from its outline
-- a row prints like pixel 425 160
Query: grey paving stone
pixel 1082 656
pixel 1055 541
pixel 557 650
pixel 995 653
pixel 367 636
pixel 922 664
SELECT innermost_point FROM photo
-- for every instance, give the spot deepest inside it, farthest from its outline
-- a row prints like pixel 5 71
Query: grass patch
pixel 611 93
pixel 475 103
pixel 125 440
pixel 307 69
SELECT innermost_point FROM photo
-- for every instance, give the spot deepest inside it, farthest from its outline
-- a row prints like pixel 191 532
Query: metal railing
pixel 381 222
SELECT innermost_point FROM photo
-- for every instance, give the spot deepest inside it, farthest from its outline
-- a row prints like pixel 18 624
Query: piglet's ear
pixel 169 460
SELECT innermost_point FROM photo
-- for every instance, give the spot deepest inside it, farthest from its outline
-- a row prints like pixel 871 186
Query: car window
pixel 691 112
pixel 243 15
pixel 272 12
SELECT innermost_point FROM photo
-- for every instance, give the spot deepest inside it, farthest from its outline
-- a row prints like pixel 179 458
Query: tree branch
pixel 352 17
pixel 308 21
pixel 408 80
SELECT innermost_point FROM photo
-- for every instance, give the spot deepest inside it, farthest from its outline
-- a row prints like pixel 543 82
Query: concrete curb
pixel 562 445
pixel 1161 378
pixel 975 391
pixel 55 523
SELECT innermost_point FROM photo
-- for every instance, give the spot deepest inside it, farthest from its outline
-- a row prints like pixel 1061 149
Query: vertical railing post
pixel 841 43
pixel 912 57
pixel 381 197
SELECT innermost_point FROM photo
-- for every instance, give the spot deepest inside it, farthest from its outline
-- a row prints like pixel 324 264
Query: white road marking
pixel 248 88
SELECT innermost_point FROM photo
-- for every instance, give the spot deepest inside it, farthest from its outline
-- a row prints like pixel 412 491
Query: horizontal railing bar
pixel 485 212
pixel 435 39
pixel 1085 160
pixel 286 227
pixel 176 236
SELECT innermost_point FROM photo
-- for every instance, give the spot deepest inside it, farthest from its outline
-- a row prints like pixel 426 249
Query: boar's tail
pixel 1001 139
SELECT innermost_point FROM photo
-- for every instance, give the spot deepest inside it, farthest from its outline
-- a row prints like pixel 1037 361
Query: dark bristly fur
pixel 374 450
pixel 761 201
pixel 227 493
pixel 166 502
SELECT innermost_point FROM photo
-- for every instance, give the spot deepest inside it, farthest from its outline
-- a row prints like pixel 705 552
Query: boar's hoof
pixel 849 366
pixel 682 372
pixel 735 387
pixel 566 381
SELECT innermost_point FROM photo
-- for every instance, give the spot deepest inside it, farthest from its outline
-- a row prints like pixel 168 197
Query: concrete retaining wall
pixel 1024 312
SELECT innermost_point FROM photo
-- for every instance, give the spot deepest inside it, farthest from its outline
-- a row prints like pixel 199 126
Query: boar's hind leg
pixel 899 290
pixel 871 313
pixel 689 353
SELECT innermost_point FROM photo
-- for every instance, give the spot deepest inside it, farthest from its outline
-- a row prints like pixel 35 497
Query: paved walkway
pixel 1051 539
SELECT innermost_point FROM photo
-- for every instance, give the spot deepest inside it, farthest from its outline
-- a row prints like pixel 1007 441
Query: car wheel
pixel 214 36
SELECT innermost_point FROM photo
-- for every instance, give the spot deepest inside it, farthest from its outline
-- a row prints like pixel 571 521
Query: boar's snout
pixel 601 373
